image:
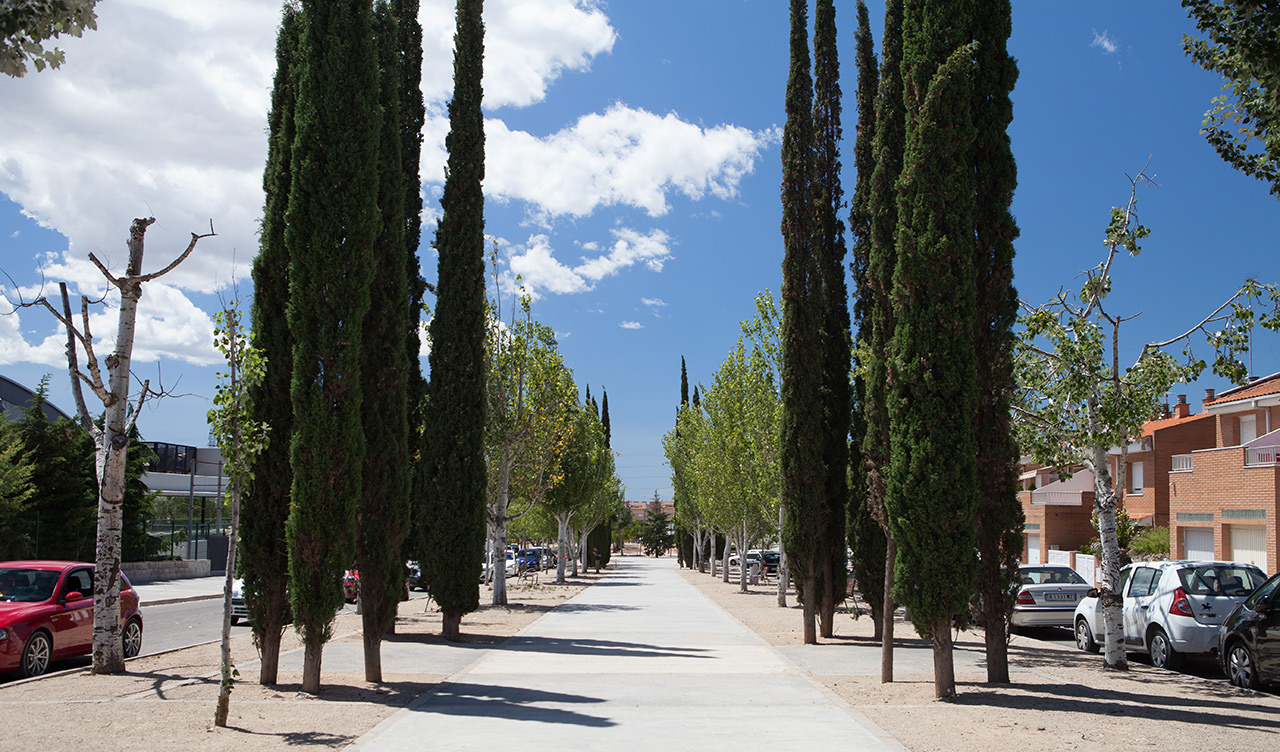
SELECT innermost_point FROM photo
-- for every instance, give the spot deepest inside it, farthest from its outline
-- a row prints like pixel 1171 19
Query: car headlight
pixel 4 634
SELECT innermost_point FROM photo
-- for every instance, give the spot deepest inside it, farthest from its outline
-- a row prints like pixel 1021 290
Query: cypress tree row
pixel 333 222
pixel 454 540
pixel 831 299
pixel 932 489
pixel 803 444
pixel 878 319
pixel 1000 516
pixel 604 418
pixel 263 556
pixel 866 537
pixel 383 516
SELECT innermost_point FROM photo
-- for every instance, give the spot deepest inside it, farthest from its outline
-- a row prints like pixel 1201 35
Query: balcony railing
pixel 1263 455
pixel 1181 463
pixel 1058 498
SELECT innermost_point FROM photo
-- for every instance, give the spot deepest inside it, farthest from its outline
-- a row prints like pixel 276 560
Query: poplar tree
pixel 454 540
pixel 878 317
pixel 333 222
pixel 932 490
pixel 866 537
pixel 803 446
pixel 264 552
pixel 1000 517
pixel 386 371
pixel 831 301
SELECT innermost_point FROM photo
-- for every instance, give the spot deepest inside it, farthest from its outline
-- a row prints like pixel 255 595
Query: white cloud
pixel 1104 41
pixel 15 233
pixel 624 156
pixel 540 271
pixel 653 302
pixel 631 325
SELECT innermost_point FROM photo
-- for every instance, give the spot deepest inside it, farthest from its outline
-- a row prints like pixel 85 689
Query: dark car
pixel 1250 638
pixel 529 559
pixel 46 614
pixel 771 560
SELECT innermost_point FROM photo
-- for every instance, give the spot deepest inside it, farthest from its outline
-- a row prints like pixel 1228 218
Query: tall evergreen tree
pixel 264 552
pixel 386 373
pixel 60 519
pixel 878 319
pixel 1000 517
pixel 932 489
pixel 333 223
pixel 832 304
pixel 802 458
pixel 684 383
pixel 455 534
pixel 866 537
pixel 604 418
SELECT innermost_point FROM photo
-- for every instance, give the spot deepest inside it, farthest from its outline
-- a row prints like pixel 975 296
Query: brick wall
pixel 1219 480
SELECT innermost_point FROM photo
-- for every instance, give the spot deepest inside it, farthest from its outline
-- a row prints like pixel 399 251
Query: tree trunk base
pixel 451 629
pixel 944 669
pixel 997 649
pixel 372 656
pixel 311 667
pixel 269 649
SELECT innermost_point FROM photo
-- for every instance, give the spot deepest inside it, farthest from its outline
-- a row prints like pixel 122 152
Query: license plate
pixel 1060 597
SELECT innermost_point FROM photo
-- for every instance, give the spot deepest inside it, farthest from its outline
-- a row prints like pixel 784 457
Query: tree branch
pixel 190 247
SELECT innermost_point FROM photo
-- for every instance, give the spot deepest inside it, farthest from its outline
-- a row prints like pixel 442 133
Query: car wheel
pixel 35 656
pixel 1084 637
pixel 1241 669
pixel 132 638
pixel 1162 653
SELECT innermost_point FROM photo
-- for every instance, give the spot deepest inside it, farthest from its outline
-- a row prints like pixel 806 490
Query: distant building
pixel 640 508
pixel 15 397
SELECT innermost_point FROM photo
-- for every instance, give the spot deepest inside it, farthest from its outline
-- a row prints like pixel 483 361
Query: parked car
pixel 46 614
pixel 1171 608
pixel 1250 638
pixel 771 559
pixel 351 585
pixel 753 557
pixel 529 558
pixel 1047 596
pixel 238 608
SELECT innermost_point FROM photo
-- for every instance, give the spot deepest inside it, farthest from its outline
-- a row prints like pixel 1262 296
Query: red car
pixel 46 614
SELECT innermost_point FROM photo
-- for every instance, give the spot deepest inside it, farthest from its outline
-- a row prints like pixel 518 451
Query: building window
pixel 1248 428
pixel 1244 514
pixel 1135 477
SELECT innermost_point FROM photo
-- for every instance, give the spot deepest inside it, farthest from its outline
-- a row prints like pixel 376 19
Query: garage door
pixel 1198 543
pixel 1033 548
pixel 1249 543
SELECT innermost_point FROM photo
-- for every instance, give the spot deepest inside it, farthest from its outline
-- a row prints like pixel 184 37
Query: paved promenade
pixel 639 661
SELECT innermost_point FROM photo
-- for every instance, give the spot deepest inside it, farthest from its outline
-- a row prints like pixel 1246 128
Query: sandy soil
pixel 1060 698
pixel 167 701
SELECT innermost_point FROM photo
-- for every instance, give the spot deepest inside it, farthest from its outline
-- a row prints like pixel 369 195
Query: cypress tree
pixel 386 372
pixel 263 555
pixel 684 383
pixel 866 537
pixel 802 457
pixel 878 320
pixel 932 490
pixel 1000 516
pixel 831 298
pixel 60 520
pixel 454 543
pixel 333 223
pixel 604 418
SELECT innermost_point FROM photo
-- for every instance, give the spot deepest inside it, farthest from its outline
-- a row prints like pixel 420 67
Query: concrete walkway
pixel 639 661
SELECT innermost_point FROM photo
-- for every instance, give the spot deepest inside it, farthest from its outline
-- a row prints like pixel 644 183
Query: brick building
pixel 1057 511
pixel 640 508
pixel 1224 498
pixel 1145 496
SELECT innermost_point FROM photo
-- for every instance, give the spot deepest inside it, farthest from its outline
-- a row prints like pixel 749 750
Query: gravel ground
pixel 1060 698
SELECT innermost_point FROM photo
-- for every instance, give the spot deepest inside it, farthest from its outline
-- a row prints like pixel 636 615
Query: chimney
pixel 1208 395
pixel 1164 411
pixel 1182 409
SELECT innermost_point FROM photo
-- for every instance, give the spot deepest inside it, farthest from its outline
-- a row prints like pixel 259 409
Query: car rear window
pixel 1050 576
pixel 1220 579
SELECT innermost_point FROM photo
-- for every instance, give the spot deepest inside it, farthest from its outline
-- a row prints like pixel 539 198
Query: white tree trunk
pixel 1110 599
pixel 498 518
pixel 562 542
pixel 783 572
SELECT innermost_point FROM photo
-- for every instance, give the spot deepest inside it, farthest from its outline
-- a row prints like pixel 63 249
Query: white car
pixel 1047 596
pixel 1171 608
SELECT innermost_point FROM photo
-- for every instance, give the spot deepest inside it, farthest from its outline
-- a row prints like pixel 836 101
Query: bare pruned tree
pixel 111 439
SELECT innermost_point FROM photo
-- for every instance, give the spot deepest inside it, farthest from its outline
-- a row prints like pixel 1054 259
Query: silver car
pixel 1047 596
pixel 1171 608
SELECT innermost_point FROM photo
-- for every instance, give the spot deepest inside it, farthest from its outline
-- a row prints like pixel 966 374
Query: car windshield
pixel 1050 576
pixel 27 585
pixel 1220 579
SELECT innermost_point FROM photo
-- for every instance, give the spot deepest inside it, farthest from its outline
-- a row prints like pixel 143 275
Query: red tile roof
pixel 1150 427
pixel 1264 386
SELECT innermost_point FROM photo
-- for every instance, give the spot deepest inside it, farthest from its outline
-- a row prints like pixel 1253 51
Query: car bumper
pixel 238 609
pixel 1043 617
pixel 1197 638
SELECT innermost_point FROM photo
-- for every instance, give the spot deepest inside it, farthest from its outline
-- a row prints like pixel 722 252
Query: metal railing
pixel 1264 455
pixel 1181 463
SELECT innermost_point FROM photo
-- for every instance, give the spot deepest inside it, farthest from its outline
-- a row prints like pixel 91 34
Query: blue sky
pixel 633 180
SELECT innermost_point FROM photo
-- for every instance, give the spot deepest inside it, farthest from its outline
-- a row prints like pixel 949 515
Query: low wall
pixel 142 572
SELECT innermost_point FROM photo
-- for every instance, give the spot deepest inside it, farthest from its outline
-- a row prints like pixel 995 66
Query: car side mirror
pixel 74 595
pixel 1093 593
